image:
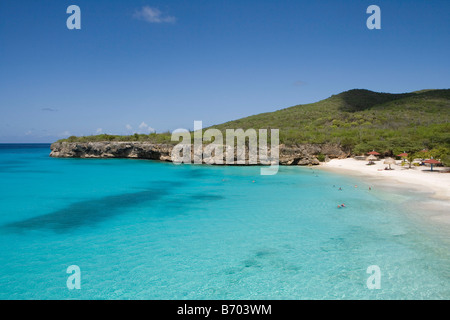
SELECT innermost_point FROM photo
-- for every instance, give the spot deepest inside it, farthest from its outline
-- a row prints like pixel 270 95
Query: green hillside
pixel 358 120
pixel 362 120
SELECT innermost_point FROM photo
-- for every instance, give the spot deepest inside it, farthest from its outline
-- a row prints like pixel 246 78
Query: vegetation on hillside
pixel 152 137
pixel 362 120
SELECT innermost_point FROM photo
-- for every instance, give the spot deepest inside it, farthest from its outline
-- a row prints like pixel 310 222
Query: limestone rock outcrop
pixel 301 154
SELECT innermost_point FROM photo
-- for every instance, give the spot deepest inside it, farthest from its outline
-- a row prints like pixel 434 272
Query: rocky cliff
pixel 302 154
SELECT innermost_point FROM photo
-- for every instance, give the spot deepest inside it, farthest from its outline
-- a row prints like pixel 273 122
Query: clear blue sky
pixel 163 64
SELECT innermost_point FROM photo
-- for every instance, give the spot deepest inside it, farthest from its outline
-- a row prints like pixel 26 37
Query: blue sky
pixel 141 65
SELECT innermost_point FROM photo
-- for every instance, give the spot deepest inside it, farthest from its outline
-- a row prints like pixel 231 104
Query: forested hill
pixel 363 120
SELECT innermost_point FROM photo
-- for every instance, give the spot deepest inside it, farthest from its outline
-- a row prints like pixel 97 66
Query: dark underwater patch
pixel 10 168
pixel 206 197
pixel 86 213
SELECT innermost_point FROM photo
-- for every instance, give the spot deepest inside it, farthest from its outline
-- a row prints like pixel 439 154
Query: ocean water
pixel 149 230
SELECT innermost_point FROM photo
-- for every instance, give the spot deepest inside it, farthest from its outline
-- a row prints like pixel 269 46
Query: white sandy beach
pixel 421 178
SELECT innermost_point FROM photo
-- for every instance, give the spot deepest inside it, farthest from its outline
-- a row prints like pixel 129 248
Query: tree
pixel 411 156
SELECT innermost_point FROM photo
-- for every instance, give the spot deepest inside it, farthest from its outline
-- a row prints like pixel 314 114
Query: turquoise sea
pixel 150 230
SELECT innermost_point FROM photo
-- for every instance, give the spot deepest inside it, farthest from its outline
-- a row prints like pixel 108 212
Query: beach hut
pixel 389 161
pixel 432 162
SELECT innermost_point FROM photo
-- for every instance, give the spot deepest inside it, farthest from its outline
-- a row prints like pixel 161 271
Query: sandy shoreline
pixel 433 188
pixel 419 178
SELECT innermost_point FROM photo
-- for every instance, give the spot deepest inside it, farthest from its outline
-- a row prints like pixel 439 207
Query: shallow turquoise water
pixel 150 230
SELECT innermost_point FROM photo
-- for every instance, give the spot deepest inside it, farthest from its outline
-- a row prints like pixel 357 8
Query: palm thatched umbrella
pixel 371 158
pixel 389 161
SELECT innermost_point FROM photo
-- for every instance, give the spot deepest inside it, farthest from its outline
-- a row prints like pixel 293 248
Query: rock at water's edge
pixel 302 154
